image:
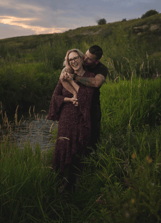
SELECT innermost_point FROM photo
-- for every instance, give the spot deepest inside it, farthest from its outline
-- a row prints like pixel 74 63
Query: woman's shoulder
pixel 89 74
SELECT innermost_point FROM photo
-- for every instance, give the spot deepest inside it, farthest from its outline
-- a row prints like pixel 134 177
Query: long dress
pixel 74 127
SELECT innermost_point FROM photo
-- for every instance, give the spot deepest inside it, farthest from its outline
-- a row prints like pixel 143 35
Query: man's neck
pixel 93 66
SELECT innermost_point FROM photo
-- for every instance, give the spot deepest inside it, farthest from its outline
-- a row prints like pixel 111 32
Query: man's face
pixel 90 59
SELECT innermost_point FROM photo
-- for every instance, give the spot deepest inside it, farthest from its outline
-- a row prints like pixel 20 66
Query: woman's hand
pixel 74 100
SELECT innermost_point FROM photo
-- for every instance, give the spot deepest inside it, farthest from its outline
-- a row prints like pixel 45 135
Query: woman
pixel 73 114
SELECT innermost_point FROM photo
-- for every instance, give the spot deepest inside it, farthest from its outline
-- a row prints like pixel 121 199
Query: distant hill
pixel 30 65
pixel 148 29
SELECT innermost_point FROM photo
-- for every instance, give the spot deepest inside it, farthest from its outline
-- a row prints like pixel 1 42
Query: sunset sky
pixel 31 17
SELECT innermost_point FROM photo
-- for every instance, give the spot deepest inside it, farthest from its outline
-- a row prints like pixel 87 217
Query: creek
pixel 28 127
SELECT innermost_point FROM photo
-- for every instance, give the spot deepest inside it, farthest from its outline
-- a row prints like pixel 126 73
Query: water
pixel 32 128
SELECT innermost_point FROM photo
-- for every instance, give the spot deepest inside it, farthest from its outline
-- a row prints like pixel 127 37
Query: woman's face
pixel 75 61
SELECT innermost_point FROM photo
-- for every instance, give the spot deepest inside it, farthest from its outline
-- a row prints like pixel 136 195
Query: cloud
pixel 129 4
pixel 134 2
pixel 23 23
pixel 49 16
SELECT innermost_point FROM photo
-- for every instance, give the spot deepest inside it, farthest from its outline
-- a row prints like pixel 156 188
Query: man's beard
pixel 89 65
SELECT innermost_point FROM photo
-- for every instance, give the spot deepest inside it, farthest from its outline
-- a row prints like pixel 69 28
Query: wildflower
pixel 99 200
pixel 149 160
pixel 132 200
pixel 92 219
pixel 134 156
pixel 127 215
pixel 126 181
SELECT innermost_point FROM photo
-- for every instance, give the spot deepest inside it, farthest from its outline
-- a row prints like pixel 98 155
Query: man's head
pixel 92 56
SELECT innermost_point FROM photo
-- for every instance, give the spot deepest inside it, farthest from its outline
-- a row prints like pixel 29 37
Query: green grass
pixel 30 66
pixel 130 103
pixel 119 183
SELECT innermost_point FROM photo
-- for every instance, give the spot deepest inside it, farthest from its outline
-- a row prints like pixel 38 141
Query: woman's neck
pixel 80 72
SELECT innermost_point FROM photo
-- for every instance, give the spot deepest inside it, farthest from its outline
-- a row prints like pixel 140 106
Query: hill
pixel 30 65
pixel 148 29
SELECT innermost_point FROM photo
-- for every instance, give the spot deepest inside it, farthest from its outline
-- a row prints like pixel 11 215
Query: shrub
pixel 149 13
pixel 101 21
pixel 124 20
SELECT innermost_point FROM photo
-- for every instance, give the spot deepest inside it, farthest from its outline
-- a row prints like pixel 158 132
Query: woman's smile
pixel 75 64
pixel 75 61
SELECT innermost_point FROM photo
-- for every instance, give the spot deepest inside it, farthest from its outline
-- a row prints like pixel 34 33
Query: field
pixel 30 66
pixel 121 181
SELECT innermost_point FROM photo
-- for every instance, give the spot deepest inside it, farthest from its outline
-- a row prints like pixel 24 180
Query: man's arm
pixel 66 83
pixel 96 81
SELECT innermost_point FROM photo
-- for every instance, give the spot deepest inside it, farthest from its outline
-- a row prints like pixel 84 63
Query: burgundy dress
pixel 74 127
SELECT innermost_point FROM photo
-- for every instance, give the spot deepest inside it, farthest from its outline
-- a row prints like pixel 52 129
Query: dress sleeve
pixel 84 101
pixel 56 103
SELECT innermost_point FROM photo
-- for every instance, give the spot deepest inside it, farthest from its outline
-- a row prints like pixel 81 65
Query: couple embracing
pixel 75 104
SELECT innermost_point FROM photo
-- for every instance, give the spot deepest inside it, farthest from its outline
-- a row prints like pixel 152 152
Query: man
pixel 93 65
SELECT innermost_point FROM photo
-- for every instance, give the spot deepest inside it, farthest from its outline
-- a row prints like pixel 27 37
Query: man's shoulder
pixel 101 69
pixel 102 66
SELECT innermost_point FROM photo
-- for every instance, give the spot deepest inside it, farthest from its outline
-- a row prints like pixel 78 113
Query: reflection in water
pixel 35 129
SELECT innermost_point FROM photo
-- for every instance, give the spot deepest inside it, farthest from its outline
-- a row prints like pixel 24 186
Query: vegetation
pixel 121 180
pixel 149 13
pixel 101 22
pixel 30 66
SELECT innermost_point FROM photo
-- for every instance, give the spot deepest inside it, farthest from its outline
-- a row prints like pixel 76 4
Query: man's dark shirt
pixel 95 106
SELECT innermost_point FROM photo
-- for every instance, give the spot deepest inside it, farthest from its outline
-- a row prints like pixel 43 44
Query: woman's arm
pixel 58 94
pixel 57 101
pixel 66 99
pixel 73 88
pixel 74 85
pixel 69 87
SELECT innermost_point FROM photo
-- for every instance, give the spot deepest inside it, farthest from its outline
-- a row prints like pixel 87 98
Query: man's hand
pixel 69 77
pixel 65 75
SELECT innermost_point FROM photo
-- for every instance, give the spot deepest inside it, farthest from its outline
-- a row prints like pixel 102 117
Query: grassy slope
pixel 124 53
pixel 121 182
pixel 30 42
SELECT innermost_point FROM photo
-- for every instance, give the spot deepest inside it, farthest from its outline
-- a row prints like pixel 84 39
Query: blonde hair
pixel 66 61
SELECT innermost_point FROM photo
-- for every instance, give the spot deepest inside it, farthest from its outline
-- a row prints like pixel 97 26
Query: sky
pixel 33 17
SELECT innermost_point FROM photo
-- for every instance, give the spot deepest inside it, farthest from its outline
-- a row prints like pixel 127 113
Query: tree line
pixel 147 14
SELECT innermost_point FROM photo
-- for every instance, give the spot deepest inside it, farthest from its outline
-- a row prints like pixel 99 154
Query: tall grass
pixel 120 181
pixel 130 103
pixel 27 76
pixel 26 84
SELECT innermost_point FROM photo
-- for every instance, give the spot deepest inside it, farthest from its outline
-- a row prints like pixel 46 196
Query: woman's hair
pixel 66 61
